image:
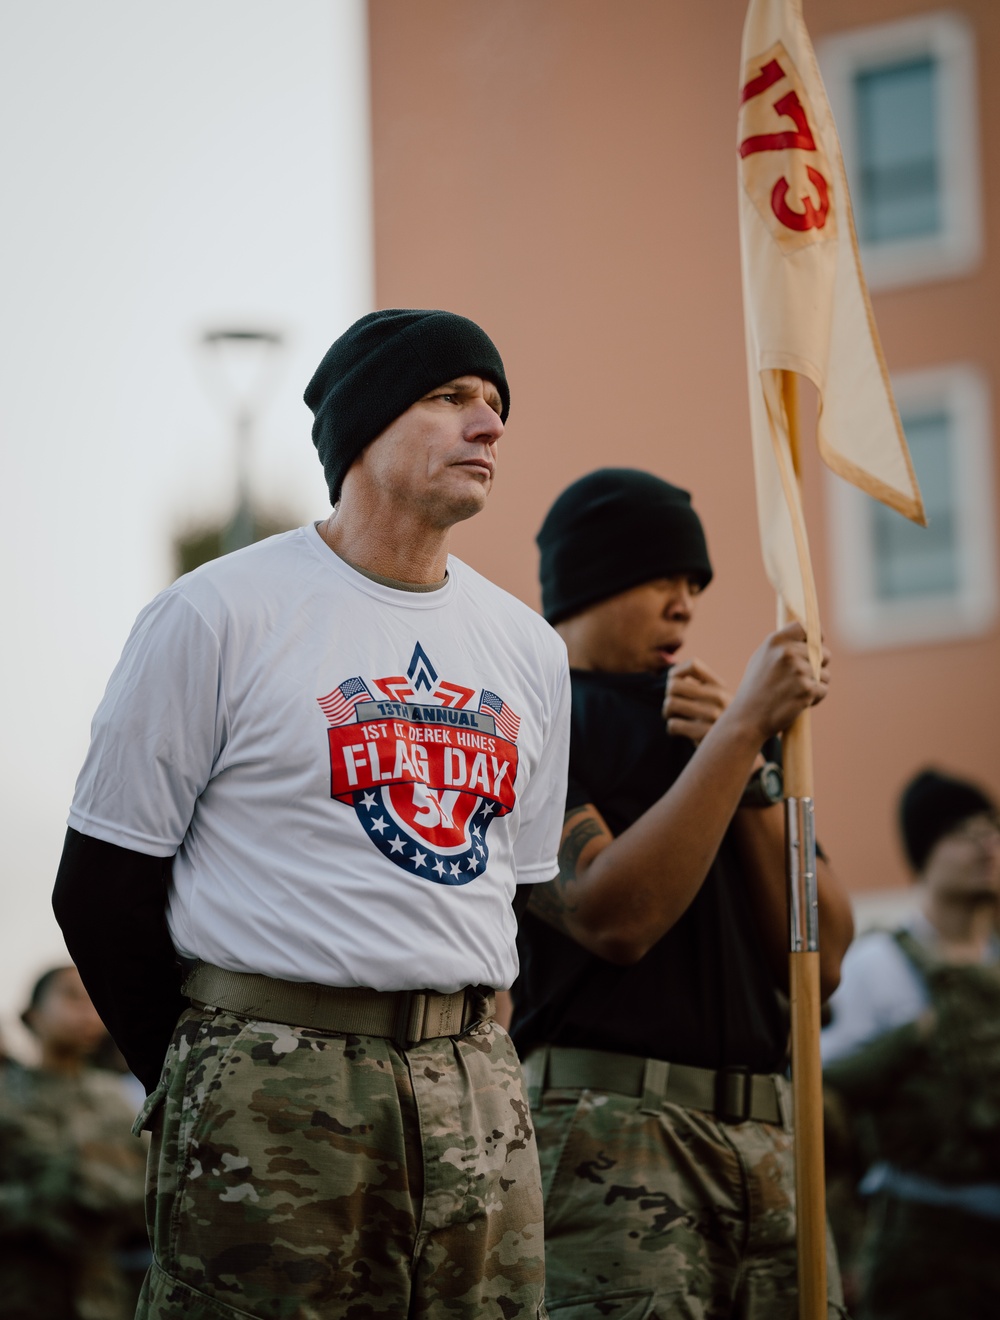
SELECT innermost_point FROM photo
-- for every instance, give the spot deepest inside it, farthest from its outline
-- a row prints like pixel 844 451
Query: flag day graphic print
pixel 427 765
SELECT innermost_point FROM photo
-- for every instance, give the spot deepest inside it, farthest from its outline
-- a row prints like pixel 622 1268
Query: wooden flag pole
pixel 803 976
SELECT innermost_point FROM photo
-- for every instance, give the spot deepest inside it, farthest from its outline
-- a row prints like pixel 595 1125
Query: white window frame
pixel 863 621
pixel 949 39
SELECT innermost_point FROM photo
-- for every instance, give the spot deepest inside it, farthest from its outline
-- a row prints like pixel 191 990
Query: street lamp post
pixel 242 369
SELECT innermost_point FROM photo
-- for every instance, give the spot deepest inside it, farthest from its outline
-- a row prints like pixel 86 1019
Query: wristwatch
pixel 765 786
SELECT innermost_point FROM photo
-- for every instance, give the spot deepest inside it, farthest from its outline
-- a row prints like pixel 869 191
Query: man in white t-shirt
pixel 320 770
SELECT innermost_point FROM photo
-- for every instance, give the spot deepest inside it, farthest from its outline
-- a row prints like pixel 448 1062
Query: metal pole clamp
pixel 800 867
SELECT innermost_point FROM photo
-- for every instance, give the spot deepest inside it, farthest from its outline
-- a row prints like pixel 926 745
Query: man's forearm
pixel 111 905
pixel 617 896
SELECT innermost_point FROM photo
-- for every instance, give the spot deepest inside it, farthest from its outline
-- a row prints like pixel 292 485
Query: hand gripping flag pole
pixel 806 312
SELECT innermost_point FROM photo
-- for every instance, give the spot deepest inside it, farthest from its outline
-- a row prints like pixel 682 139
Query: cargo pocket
pixel 154 1100
pixel 166 1298
pixel 554 1120
pixel 604 1305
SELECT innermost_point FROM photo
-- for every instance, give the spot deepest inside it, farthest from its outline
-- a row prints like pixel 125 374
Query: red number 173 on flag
pixel 785 170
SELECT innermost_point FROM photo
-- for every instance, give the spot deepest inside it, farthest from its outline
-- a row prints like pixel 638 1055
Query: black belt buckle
pixel 405 1032
pixel 733 1093
pixel 474 1010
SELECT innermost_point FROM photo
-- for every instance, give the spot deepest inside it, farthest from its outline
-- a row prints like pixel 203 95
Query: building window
pixel 904 100
pixel 896 583
pixel 899 183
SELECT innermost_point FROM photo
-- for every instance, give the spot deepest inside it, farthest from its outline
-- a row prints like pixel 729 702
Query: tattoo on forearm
pixel 577 833
pixel 555 901
pixel 546 904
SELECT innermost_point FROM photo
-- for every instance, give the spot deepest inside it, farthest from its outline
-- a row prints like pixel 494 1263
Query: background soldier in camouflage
pixel 647 1012
pixel 913 1049
pixel 322 768
pixel 71 1175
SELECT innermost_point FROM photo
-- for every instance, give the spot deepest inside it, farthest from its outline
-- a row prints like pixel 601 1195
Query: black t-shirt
pixel 703 994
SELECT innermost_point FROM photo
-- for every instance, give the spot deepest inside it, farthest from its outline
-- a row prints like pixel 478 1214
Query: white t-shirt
pixel 880 989
pixel 353 777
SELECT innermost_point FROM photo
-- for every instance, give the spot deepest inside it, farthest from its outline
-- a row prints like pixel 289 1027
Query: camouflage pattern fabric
pixel 928 1102
pixel 298 1175
pixel 846 1208
pixel 928 1262
pixel 71 1192
pixel 944 1112
pixel 927 1098
pixel 671 1214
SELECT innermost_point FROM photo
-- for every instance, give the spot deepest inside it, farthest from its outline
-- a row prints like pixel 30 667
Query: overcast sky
pixel 167 168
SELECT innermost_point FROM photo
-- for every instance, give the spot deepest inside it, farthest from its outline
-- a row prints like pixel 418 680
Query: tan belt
pixel 403 1016
pixel 732 1094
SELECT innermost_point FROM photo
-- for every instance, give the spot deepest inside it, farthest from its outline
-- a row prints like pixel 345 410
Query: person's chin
pixel 467 503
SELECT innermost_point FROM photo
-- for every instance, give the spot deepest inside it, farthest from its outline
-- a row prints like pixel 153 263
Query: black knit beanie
pixel 379 367
pixel 931 806
pixel 610 531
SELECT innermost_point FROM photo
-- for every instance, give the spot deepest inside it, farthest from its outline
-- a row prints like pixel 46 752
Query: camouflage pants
pixel 664 1215
pixel 301 1175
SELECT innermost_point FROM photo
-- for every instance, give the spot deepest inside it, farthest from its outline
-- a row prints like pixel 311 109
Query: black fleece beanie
pixel 379 367
pixel 931 806
pixel 610 531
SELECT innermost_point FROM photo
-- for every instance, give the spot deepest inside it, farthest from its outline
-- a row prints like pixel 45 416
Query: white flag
pixel 805 303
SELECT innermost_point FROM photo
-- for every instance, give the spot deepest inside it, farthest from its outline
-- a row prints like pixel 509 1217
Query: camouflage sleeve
pixel 37 1172
pixel 863 1076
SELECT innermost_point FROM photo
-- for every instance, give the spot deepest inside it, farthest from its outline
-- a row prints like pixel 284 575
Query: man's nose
pixel 679 602
pixel 484 423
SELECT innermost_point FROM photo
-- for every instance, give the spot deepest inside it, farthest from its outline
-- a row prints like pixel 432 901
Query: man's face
pixel 437 459
pixel 65 1019
pixel 965 863
pixel 638 631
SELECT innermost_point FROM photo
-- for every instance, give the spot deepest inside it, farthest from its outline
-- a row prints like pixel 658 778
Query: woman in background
pixel 71 1173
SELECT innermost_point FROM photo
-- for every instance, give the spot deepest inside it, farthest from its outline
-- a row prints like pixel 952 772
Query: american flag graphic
pixel 338 705
pixel 506 721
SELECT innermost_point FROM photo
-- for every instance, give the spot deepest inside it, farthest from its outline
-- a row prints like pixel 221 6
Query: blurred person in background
pixel 913 1051
pixel 71 1173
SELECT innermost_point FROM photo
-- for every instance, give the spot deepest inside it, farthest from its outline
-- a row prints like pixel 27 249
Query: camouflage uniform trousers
pixel 650 1216
pixel 303 1175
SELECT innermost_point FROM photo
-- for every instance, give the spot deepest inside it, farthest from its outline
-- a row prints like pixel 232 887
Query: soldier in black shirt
pixel 649 1011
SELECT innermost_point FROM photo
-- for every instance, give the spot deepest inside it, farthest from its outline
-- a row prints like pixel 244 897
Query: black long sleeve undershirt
pixel 111 905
